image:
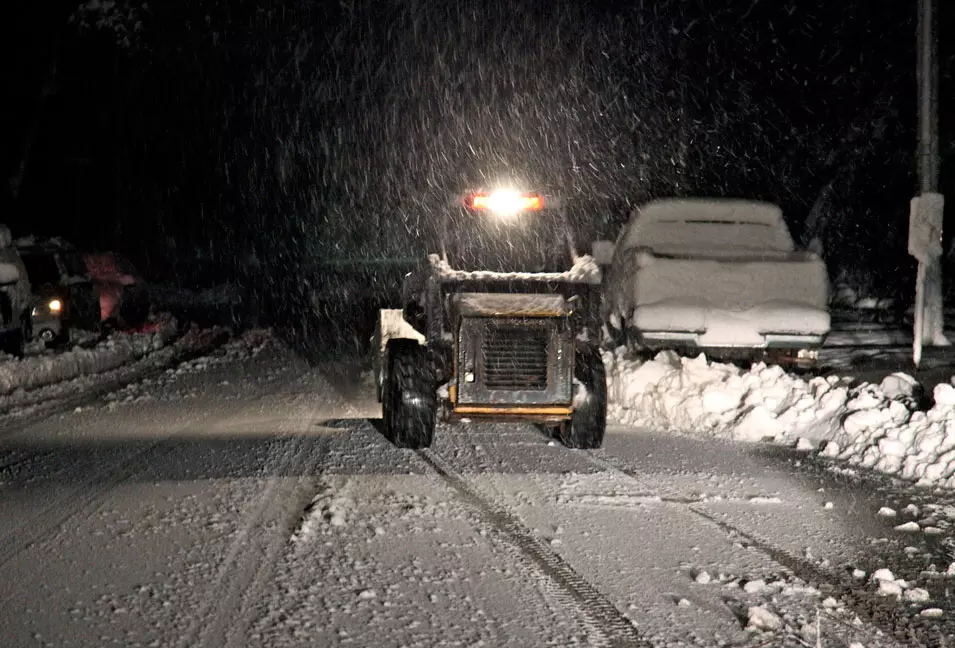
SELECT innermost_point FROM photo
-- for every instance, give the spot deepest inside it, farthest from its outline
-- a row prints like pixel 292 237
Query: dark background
pixel 244 141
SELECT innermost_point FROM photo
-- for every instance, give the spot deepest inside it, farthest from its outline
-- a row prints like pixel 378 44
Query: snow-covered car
pixel 16 300
pixel 123 294
pixel 720 276
pixel 63 294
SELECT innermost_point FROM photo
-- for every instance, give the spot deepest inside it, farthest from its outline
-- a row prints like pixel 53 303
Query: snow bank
pixel 889 436
pixel 874 426
pixel 695 396
pixel 116 350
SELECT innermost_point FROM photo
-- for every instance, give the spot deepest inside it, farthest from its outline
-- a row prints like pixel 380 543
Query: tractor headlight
pixel 55 305
pixel 505 202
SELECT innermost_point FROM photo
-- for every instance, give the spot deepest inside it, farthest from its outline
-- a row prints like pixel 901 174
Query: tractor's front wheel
pixel 409 401
pixel 585 429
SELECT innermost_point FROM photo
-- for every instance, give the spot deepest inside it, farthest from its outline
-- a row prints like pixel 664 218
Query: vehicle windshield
pixel 41 268
pixel 74 264
pixel 533 241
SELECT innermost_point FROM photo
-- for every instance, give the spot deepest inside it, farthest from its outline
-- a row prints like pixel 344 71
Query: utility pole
pixel 925 225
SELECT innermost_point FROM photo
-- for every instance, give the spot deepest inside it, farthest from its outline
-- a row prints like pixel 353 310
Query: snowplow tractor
pixel 501 325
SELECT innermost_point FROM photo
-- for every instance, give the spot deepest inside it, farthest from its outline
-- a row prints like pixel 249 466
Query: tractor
pixel 501 324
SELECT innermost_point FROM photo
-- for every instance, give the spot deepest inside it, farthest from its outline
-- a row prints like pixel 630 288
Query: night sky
pixel 228 140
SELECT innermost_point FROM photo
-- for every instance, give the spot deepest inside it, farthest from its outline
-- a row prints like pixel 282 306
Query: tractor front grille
pixel 513 361
pixel 515 358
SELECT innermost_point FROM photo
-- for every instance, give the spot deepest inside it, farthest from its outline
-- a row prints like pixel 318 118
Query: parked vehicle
pixel 720 276
pixel 63 295
pixel 15 298
pixel 123 294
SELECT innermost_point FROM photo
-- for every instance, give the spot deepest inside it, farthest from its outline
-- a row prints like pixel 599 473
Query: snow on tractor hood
pixel 584 270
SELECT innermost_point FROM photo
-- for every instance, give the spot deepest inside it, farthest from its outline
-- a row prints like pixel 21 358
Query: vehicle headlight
pixel 505 202
pixel 55 305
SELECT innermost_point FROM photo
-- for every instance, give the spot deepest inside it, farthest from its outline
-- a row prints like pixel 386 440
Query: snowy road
pixel 252 502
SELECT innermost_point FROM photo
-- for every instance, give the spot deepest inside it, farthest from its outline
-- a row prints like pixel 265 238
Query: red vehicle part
pixel 123 295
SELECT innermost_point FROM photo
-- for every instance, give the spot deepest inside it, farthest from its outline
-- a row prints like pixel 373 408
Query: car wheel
pixel 61 340
pixel 586 427
pixel 409 401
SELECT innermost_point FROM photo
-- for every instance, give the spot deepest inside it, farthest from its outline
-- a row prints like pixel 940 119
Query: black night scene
pixel 518 323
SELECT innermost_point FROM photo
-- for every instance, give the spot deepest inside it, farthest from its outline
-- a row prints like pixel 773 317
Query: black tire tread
pixel 585 430
pixel 408 370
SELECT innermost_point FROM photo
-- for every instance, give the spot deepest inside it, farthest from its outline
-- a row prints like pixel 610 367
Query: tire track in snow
pixel 883 613
pixel 55 515
pixel 45 526
pixel 613 628
pixel 225 613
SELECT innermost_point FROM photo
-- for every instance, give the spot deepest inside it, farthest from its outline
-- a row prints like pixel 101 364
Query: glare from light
pixel 506 202
pixel 55 306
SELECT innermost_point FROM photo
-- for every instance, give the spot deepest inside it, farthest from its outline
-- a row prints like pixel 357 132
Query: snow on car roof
pixel 712 210
pixel 697 225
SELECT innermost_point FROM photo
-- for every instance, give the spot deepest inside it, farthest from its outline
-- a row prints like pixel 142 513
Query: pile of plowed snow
pixel 116 350
pixel 875 426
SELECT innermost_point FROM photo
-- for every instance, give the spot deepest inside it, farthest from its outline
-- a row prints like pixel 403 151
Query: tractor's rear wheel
pixel 409 400
pixel 586 427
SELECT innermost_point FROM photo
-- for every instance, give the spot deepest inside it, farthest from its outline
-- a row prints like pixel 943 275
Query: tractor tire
pixel 409 401
pixel 586 427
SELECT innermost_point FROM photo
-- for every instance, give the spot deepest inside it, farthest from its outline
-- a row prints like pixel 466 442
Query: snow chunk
pixel 327 508
pixel 883 575
pixel 703 578
pixel 908 527
pixel 917 595
pixel 898 385
pixel 889 588
pixel 804 444
pixel 944 395
pixel 755 586
pixel 763 620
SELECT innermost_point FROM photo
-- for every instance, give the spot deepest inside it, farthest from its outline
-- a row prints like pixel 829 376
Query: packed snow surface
pixel 876 426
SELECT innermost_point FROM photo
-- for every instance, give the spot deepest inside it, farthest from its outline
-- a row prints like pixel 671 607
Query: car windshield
pixel 41 269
